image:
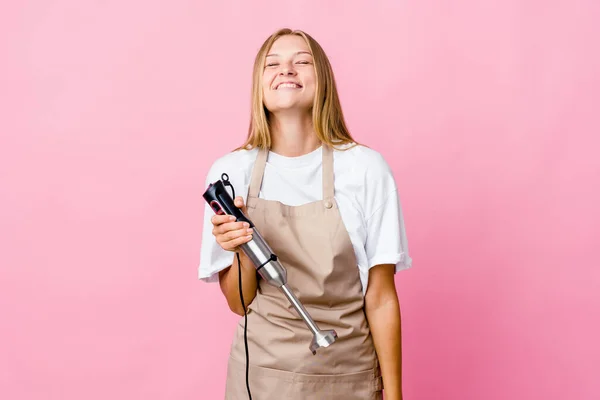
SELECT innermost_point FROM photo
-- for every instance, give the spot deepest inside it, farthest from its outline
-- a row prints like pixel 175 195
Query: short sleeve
pixel 213 258
pixel 386 241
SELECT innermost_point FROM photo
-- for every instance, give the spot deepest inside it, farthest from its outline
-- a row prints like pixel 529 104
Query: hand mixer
pixel 264 260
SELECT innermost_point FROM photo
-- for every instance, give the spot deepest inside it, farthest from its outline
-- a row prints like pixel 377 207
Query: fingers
pixel 229 229
pixel 230 233
pixel 237 238
pixel 220 228
pixel 221 219
pixel 236 231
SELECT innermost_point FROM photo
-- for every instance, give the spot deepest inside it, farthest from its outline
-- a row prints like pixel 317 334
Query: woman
pixel 340 240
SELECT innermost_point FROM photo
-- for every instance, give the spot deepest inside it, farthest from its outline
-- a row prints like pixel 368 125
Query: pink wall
pixel 111 113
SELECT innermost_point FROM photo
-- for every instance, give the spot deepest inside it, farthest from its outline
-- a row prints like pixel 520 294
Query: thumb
pixel 239 203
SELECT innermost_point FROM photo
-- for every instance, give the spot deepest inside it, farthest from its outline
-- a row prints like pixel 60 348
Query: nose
pixel 287 69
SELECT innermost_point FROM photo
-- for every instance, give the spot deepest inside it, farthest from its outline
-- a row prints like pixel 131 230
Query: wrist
pixel 392 389
pixel 392 395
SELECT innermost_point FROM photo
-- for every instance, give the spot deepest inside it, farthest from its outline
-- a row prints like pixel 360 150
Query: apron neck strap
pixel 257 173
pixel 259 169
pixel 327 172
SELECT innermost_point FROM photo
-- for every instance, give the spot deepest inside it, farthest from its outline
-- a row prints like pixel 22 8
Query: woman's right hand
pixel 228 233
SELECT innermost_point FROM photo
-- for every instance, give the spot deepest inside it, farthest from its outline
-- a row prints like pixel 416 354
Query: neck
pixel 292 135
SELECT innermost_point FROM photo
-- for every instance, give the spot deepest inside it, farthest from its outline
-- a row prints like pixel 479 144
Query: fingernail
pixel 249 237
pixel 249 230
pixel 246 225
pixel 232 218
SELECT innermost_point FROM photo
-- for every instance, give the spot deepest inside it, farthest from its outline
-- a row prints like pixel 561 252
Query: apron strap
pixel 257 173
pixel 261 161
pixel 327 172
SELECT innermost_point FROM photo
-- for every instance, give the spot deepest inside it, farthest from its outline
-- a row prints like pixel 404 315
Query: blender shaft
pixel 300 308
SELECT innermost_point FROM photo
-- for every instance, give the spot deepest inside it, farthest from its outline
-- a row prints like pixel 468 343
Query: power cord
pixel 225 179
pixel 245 325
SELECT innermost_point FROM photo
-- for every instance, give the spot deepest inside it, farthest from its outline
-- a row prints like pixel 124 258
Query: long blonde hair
pixel 327 116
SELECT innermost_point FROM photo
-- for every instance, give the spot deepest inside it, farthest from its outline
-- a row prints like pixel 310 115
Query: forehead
pixel 289 44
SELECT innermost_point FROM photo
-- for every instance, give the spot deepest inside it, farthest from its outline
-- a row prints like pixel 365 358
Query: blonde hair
pixel 327 116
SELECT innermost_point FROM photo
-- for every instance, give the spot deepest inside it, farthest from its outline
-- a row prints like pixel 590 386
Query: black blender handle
pixel 221 202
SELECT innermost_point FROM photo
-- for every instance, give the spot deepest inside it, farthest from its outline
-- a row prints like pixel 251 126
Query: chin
pixel 288 106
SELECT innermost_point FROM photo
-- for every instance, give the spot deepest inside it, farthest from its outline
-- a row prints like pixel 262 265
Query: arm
pixel 230 235
pixel 229 282
pixel 383 314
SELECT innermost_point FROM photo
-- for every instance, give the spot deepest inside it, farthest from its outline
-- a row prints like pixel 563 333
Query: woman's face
pixel 289 78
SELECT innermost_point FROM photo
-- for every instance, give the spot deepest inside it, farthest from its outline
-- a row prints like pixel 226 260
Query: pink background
pixel 112 111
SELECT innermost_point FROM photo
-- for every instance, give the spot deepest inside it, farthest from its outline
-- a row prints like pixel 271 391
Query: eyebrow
pixel 300 52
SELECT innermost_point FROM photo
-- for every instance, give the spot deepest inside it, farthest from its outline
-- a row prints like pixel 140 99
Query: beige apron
pixel 315 248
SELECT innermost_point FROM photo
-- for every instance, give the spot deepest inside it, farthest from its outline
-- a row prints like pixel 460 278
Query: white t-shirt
pixel 365 191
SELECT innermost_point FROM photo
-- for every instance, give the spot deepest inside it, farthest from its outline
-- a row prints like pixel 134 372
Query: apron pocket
pixel 365 385
pixel 273 384
pixel 265 383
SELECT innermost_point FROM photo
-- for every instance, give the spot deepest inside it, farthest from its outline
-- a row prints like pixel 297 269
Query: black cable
pixel 225 178
pixel 245 325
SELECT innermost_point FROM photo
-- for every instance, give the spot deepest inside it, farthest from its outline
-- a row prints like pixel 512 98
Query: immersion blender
pixel 264 260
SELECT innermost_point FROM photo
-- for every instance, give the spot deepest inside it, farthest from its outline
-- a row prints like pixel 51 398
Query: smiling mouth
pixel 288 85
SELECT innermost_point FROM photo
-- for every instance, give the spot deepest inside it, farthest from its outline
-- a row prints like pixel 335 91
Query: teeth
pixel 288 85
